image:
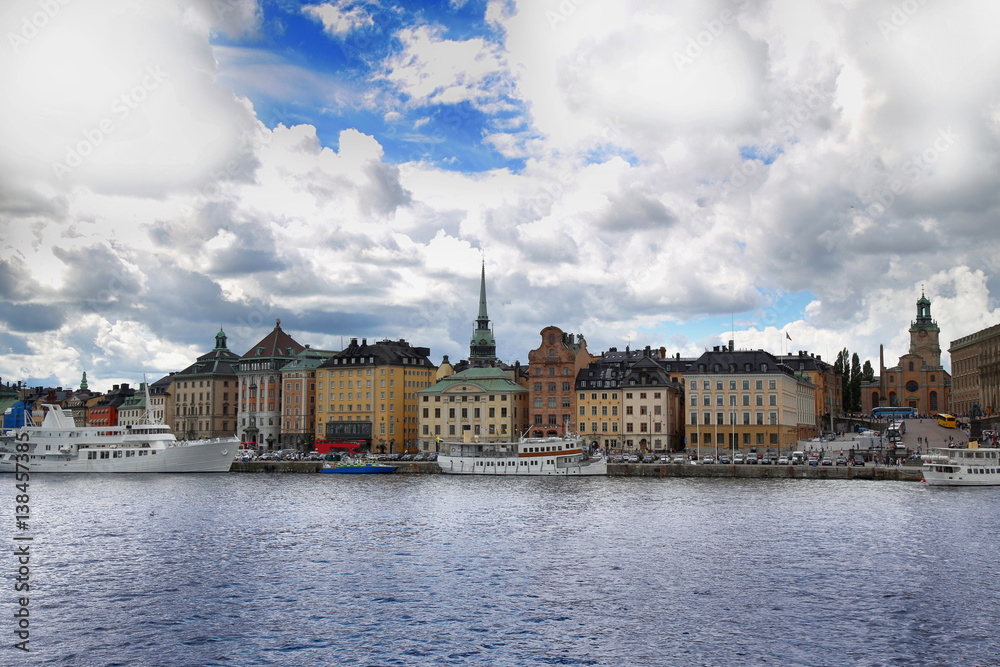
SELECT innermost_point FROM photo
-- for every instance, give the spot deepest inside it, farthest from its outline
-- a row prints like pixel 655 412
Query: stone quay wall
pixel 892 473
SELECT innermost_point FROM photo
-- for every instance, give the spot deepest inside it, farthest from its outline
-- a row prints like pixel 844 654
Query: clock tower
pixel 482 346
pixel 924 334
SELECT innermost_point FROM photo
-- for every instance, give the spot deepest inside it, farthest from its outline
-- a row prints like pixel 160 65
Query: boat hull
pixel 359 470
pixel 499 467
pixel 198 456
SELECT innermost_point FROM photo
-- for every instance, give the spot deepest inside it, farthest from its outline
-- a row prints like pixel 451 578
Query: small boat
pixel 349 466
pixel 962 466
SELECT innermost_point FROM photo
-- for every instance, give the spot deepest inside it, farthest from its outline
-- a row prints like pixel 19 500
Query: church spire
pixel 483 320
pixel 482 347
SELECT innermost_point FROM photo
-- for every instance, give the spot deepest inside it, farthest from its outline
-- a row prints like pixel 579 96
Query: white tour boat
pixel 527 456
pixel 58 445
pixel 972 466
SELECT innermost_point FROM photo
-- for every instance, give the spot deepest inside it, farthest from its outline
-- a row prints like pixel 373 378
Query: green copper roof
pixel 484 379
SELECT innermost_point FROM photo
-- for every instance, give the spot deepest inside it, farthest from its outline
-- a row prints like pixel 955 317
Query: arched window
pixel 874 399
pixel 911 365
pixel 933 401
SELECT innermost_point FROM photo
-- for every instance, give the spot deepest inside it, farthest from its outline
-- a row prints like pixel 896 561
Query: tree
pixel 855 383
pixel 867 372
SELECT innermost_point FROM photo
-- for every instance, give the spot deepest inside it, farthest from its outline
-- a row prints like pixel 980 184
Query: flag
pixel 787 336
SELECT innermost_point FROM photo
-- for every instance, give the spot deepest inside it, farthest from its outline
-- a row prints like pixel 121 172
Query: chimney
pixel 663 353
pixel 730 344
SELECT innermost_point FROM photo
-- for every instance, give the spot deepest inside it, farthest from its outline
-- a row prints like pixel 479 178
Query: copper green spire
pixel 83 382
pixel 482 347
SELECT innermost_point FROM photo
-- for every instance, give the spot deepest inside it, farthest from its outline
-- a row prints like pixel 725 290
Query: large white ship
pixel 528 456
pixel 58 445
pixel 970 466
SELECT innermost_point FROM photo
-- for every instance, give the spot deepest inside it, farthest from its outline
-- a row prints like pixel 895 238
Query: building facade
pixel 133 410
pixel 259 385
pixel 651 407
pixel 552 370
pixel 105 411
pixel 205 394
pixel 474 405
pixel 975 371
pixel 919 380
pixel 829 387
pixel 298 421
pixel 746 399
pixel 367 394
pixel 161 404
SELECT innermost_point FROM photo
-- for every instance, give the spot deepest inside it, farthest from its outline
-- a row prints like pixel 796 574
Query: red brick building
pixel 552 370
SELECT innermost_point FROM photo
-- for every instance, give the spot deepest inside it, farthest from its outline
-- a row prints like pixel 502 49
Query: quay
pixel 888 473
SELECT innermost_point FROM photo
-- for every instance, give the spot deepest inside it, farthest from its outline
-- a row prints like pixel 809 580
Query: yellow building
pixel 298 399
pixel 368 394
pixel 743 399
pixel 475 405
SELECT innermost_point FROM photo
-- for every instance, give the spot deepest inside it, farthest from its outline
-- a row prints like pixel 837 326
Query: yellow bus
pixel 948 421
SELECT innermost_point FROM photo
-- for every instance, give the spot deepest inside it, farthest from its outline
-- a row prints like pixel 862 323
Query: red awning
pixel 327 446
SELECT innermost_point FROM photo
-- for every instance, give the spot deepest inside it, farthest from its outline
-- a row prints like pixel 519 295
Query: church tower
pixel 482 347
pixel 924 334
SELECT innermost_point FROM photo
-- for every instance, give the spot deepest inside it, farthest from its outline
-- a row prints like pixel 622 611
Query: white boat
pixel 971 466
pixel 58 445
pixel 527 456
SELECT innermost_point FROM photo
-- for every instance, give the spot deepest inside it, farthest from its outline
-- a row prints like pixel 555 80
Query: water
pixel 408 570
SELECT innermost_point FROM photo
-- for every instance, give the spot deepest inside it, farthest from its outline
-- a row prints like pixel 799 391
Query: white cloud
pixel 336 19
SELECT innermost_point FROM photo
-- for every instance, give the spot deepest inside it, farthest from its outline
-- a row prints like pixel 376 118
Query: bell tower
pixel 482 346
pixel 924 334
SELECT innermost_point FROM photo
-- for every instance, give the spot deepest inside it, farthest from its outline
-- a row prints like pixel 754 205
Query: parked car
pixel 433 456
pixel 708 460
pixel 859 461
pixel 723 459
pixel 842 460
pixel 752 458
pixel 679 459
pixel 782 460
pixel 738 457
pixel 420 457
pixel 814 461
pixel 826 461
pixel 406 457
pixel 633 458
pixel 648 458
pixel 766 460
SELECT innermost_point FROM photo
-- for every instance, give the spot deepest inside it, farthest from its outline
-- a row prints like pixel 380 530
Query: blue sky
pixel 807 168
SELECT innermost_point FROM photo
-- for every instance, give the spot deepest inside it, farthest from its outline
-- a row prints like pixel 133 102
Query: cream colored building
pixel 743 399
pixel 475 405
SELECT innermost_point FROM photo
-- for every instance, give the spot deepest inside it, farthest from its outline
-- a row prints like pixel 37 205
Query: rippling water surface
pixel 403 570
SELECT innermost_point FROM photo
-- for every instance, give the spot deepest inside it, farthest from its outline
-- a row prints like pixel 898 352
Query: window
pixel 708 400
pixel 732 385
pixel 746 385
pixel 772 399
pixel 746 400
pixel 760 419
pixel 760 385
pixel 772 384
pixel 694 399
pixel 706 385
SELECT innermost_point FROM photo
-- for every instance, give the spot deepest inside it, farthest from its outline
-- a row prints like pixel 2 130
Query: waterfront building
pixel 205 394
pixel 298 421
pixel 829 385
pixel 975 370
pixel 552 369
pixel 104 412
pixel 161 401
pixel 746 399
pixel 259 384
pixel 651 405
pixel 474 405
pixel 133 410
pixel 367 394
pixel 598 398
pixel 919 380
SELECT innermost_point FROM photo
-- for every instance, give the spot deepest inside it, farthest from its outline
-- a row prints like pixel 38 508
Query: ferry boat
pixel 527 456
pixel 58 445
pixel 972 466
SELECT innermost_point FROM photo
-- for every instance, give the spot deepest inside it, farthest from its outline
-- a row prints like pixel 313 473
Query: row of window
pixel 729 439
pixel 201 383
pixel 552 402
pixel 118 453
pixel 706 385
pixel 772 399
pixel 720 418
pixel 476 429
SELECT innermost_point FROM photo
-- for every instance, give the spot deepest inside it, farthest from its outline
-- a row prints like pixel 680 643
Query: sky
pixel 664 173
